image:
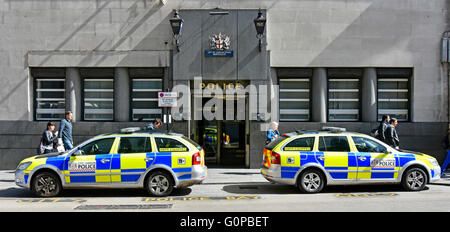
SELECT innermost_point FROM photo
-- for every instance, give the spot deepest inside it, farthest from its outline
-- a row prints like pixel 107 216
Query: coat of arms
pixel 219 42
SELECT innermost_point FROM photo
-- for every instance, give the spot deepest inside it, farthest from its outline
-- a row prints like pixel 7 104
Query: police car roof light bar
pixel 334 129
pixel 130 130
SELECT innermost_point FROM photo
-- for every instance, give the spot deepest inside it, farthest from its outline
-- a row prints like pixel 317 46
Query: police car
pixel 157 162
pixel 311 160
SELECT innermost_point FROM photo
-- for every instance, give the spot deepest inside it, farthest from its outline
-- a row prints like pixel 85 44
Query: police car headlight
pixel 434 162
pixel 24 166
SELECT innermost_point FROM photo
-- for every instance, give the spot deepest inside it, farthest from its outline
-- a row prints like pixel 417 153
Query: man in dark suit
pixel 391 134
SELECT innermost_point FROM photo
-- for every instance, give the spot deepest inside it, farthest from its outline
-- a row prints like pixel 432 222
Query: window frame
pixel 145 137
pixel 96 140
pixel 295 74
pixel 358 99
pixel 47 74
pixel 303 137
pixel 399 74
pixel 132 97
pixel 157 147
pixel 83 99
pixel 323 136
pixel 356 147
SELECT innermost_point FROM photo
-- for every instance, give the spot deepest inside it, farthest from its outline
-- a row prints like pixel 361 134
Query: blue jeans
pixel 67 145
pixel 446 162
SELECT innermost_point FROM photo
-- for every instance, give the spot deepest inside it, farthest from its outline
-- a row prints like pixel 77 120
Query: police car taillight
pixel 196 159
pixel 275 158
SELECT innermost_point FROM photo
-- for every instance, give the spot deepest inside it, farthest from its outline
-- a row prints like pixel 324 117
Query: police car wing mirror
pixel 77 152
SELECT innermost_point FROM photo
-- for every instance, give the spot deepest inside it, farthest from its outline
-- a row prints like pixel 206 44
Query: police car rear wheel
pixel 159 184
pixel 311 181
pixel 415 179
pixel 46 184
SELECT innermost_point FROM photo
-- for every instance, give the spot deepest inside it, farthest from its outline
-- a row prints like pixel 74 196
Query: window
pixel 294 99
pixel 301 144
pixel 368 145
pixel 344 94
pixel 99 99
pixel 134 145
pixel 98 147
pixel 145 99
pixel 393 93
pixel 168 145
pixel 343 99
pixel 49 89
pixel 334 143
pixel 294 94
pixel 145 85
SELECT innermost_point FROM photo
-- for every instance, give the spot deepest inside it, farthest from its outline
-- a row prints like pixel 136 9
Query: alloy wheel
pixel 415 180
pixel 159 184
pixel 311 182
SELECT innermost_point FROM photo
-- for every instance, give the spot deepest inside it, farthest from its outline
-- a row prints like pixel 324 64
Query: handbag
pixel 60 145
pixel 41 148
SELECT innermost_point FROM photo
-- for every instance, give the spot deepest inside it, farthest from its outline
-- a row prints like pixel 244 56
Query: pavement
pixel 231 190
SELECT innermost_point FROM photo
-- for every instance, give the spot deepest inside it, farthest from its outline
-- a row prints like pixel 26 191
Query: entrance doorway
pixel 226 142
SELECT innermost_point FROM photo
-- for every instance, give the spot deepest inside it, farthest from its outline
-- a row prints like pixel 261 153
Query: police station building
pixel 317 63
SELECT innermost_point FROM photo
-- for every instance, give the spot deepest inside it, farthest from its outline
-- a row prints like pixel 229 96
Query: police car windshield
pixel 274 143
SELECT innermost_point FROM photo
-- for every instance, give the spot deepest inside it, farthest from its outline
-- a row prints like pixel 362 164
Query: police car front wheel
pixel 46 184
pixel 311 181
pixel 159 184
pixel 415 179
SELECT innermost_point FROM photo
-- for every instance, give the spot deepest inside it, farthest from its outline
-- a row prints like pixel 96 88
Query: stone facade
pixel 320 34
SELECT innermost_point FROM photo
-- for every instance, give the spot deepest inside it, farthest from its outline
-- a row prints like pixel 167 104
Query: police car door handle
pixel 362 158
pixel 104 161
pixel 321 157
pixel 148 159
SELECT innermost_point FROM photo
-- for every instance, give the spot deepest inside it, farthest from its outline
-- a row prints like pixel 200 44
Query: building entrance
pixel 225 141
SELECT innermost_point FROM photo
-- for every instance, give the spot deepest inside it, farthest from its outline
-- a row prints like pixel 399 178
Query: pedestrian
pixel 48 138
pixel 154 125
pixel 446 146
pixel 391 134
pixel 65 131
pixel 382 128
pixel 272 133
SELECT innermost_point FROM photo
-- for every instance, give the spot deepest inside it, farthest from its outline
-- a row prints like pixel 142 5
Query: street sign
pixel 167 99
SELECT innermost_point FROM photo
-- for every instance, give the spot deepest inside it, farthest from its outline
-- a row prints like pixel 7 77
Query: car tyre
pixel 414 179
pixel 311 181
pixel 159 184
pixel 46 184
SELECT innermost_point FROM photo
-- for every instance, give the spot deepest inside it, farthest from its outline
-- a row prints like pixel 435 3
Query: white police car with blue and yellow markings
pixel 311 160
pixel 157 162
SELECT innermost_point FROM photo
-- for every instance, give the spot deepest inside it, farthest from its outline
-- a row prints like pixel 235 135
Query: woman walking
pixel 48 138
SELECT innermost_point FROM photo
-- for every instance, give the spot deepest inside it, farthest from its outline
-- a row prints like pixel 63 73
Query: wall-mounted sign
pixel 224 85
pixel 219 46
pixel 167 99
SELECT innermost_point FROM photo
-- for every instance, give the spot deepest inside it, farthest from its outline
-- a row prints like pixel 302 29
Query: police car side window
pixel 334 143
pixel 98 147
pixel 169 145
pixel 301 144
pixel 134 145
pixel 368 145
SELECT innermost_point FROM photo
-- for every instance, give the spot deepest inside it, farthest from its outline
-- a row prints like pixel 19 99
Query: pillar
pixel 73 93
pixel 369 95
pixel 121 95
pixel 319 95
